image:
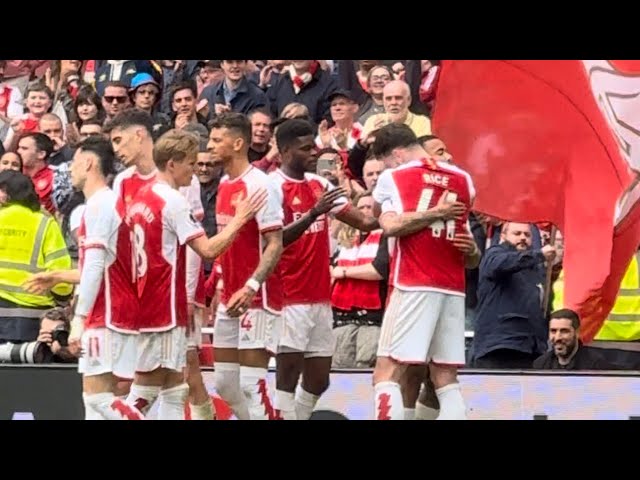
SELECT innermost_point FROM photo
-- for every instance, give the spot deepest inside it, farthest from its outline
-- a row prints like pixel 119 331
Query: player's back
pixel 102 226
pixel 304 264
pixel 428 259
pixel 240 260
pixel 160 256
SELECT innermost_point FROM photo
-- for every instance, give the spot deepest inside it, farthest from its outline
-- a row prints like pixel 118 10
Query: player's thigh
pixel 259 329
pixel 225 330
pixel 322 341
pixel 107 352
pixel 447 345
pixel 408 325
pixel 297 323
pixel 162 350
pixel 194 335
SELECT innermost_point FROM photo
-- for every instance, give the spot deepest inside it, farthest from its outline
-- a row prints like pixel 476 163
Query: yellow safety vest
pixel 623 323
pixel 30 242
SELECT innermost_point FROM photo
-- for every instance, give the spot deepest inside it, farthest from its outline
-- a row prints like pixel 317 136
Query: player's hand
pixel 40 283
pixel 450 210
pixel 240 302
pixel 465 243
pixel 249 206
pixel 75 336
pixel 326 202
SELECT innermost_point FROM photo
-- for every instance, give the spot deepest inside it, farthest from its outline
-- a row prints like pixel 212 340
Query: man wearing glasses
pixel 115 99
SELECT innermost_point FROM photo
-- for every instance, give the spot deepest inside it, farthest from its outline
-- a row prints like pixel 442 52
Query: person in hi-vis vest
pixel 623 322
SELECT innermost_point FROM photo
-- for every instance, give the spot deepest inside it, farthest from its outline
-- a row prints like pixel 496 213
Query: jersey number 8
pixel 139 255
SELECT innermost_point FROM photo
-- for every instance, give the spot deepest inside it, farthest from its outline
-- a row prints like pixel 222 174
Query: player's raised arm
pixel 211 248
pixel 294 230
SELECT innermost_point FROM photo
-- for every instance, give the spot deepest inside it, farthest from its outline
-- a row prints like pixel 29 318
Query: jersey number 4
pixel 140 262
pixel 245 322
pixel 438 226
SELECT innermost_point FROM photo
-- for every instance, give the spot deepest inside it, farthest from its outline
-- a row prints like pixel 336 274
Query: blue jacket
pixel 509 314
pixel 248 96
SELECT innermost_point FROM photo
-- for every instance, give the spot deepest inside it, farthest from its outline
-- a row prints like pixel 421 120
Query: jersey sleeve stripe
pixel 271 227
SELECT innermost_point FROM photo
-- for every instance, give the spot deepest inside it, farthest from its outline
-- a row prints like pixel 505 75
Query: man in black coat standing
pixel 510 328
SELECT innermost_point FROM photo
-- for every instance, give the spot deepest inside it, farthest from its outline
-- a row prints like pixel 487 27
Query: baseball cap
pixel 142 79
pixel 341 92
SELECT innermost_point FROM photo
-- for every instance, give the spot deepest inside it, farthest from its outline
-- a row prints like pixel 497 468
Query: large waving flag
pixel 556 141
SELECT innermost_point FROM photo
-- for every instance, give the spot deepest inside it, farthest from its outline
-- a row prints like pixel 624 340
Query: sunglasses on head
pixel 110 99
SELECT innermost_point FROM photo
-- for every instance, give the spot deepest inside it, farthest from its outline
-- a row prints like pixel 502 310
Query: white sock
pixel 90 413
pixel 305 403
pixel 203 411
pixel 451 403
pixel 227 383
pixel 143 397
pixel 388 401
pixel 253 382
pixel 409 413
pixel 171 402
pixel 112 408
pixel 426 413
pixel 285 404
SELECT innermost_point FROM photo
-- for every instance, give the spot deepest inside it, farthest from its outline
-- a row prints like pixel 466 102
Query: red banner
pixel 548 140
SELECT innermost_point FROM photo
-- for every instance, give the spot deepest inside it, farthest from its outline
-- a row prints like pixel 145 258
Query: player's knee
pixel 226 380
pixel 443 375
pixel 387 370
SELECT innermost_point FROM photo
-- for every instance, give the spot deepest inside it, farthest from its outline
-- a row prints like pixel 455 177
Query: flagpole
pixel 549 271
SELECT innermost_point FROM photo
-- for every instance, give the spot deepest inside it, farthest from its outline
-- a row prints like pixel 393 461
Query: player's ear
pixel 238 144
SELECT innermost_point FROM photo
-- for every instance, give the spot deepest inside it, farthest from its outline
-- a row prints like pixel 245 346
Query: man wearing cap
pixel 346 131
pixel 235 93
pixel 145 95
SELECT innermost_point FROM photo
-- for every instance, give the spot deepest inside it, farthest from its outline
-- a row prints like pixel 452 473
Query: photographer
pixel 52 345
pixel 54 333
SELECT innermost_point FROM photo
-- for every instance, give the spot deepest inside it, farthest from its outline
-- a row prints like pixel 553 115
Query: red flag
pixel 551 140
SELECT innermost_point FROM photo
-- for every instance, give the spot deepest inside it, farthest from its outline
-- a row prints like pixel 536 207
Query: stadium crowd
pixel 330 144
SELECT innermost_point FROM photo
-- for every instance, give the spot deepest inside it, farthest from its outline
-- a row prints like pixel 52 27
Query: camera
pixel 30 352
pixel 61 335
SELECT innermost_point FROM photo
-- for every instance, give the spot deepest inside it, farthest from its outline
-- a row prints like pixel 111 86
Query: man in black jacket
pixel 510 329
pixel 568 352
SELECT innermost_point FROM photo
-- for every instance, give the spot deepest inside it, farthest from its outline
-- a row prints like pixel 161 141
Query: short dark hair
pixel 132 117
pixel 569 315
pixel 262 110
pixel 43 142
pixel 92 121
pixel 19 189
pixel 101 148
pixel 233 121
pixel 289 132
pixel 57 314
pixel 426 138
pixel 186 85
pixel 392 136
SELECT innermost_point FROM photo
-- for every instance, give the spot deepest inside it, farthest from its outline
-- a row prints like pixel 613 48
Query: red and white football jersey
pixel 304 264
pixel 241 259
pixel 128 183
pixel 162 224
pixel 426 260
pixel 101 226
